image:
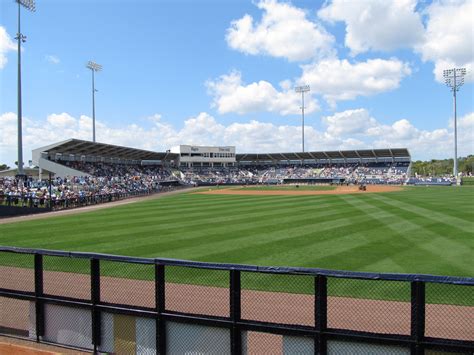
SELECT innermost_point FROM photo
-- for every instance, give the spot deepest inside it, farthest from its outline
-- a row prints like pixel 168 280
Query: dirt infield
pixel 339 190
pixel 379 316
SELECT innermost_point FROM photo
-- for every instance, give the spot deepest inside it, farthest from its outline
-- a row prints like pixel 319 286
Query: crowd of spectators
pixel 106 183
pixel 379 173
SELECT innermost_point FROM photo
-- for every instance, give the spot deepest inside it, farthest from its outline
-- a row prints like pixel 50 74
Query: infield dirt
pixel 339 190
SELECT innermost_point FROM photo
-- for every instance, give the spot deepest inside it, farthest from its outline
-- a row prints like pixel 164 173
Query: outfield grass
pixel 427 230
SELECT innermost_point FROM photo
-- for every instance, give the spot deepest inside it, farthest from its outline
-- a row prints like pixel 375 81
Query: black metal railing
pixel 107 303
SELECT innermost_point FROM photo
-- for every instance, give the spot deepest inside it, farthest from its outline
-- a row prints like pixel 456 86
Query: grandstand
pixel 220 165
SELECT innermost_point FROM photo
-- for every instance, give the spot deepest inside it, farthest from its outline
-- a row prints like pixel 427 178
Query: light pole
pixel 29 5
pixel 454 79
pixel 93 67
pixel 302 89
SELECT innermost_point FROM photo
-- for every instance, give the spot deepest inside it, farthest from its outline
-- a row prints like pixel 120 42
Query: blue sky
pixel 223 72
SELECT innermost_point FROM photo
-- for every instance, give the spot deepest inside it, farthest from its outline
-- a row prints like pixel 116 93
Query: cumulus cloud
pixel 342 80
pixel 52 59
pixel 62 120
pixel 284 31
pixel 230 94
pixel 423 144
pixel 376 24
pixel 6 45
pixel 449 37
pixel 351 129
pixel 353 122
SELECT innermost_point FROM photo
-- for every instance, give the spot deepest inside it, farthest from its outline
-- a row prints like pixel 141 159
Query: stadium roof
pixel 80 147
pixel 339 154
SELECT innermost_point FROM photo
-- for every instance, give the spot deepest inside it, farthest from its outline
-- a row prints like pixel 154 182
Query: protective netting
pixel 197 291
pixel 376 306
pixel 70 326
pixel 78 301
pixel 67 277
pixel 17 271
pixel 182 338
pixel 127 283
pixel 449 311
pixel 17 317
pixel 284 299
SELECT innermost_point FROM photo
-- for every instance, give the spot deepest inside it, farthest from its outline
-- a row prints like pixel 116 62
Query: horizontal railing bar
pixel 462 345
pixel 469 281
pixel 22 295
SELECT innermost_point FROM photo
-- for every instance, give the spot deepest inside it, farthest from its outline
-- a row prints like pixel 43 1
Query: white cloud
pixel 376 24
pixel 6 45
pixel 351 122
pixel 284 31
pixel 231 95
pixel 449 37
pixel 52 59
pixel 423 144
pixel 351 129
pixel 61 120
pixel 342 80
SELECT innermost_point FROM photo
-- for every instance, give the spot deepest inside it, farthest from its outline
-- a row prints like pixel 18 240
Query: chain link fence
pixel 113 304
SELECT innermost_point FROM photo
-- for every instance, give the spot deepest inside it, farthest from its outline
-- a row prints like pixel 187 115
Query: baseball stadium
pixel 196 224
pixel 202 250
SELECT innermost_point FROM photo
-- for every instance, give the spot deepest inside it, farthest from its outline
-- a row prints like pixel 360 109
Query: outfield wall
pixel 121 305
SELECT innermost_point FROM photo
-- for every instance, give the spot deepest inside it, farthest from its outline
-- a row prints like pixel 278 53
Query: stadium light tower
pixel 454 79
pixel 302 89
pixel 93 66
pixel 31 6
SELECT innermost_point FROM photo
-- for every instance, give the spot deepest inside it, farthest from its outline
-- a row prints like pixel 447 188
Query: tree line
pixel 437 167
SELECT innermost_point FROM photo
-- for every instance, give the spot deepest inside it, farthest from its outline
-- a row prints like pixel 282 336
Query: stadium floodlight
pixel 454 78
pixel 30 6
pixel 302 89
pixel 94 67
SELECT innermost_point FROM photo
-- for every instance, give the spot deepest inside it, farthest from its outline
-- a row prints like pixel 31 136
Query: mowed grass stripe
pixel 432 214
pixel 452 201
pixel 403 247
pixel 290 237
pixel 180 226
pixel 214 233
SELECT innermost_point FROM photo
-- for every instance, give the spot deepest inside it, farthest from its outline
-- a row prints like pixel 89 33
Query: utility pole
pixel 94 67
pixel 454 79
pixel 29 5
pixel 302 89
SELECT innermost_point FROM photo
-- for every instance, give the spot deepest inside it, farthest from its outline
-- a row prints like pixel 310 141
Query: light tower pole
pixel 302 89
pixel 29 5
pixel 454 79
pixel 94 67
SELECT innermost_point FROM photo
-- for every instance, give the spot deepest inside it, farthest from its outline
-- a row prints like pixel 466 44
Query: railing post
pixel 95 299
pixel 160 302
pixel 235 312
pixel 39 306
pixel 320 313
pixel 417 316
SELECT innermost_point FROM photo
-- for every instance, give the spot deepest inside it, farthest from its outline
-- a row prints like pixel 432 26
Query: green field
pixel 418 230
